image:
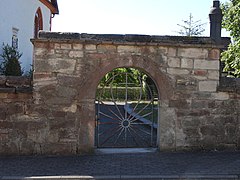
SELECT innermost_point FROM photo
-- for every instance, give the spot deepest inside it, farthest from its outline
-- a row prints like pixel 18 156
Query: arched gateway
pixel 68 88
pixel 126 110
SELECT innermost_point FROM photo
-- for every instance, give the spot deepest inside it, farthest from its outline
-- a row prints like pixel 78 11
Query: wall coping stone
pixel 131 39
pixel 15 84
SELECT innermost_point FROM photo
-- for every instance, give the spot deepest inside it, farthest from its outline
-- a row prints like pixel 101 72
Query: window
pixel 38 22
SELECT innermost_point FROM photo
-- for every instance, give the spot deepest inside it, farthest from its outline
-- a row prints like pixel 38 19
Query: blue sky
pixel 152 17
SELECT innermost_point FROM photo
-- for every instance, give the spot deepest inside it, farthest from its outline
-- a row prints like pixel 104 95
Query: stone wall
pixel 15 124
pixel 197 110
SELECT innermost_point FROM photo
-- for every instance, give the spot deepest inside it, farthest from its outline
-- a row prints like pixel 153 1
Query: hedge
pixel 119 93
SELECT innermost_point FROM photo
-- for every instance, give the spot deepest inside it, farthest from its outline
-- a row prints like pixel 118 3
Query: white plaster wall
pixel 20 14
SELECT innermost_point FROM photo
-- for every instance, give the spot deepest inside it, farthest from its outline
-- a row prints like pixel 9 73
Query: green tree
pixel 191 27
pixel 10 65
pixel 231 22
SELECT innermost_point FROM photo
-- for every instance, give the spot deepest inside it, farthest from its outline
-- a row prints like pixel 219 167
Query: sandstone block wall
pixel 198 110
pixel 15 122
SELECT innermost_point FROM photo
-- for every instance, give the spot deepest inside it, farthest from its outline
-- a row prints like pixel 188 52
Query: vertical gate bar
pixel 126 94
pixel 152 123
pixel 98 119
pixel 126 98
pixel 113 100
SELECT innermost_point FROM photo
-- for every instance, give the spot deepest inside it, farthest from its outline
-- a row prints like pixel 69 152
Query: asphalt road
pixel 181 165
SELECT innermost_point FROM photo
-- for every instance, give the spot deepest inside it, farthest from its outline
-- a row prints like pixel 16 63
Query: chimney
pixel 215 17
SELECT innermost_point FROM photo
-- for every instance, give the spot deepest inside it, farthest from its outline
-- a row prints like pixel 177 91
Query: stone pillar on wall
pixel 216 22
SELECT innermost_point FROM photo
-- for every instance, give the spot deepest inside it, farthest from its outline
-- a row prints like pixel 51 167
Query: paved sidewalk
pixel 154 165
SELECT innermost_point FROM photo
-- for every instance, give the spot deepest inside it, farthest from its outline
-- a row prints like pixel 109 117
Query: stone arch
pixel 95 74
pixel 162 81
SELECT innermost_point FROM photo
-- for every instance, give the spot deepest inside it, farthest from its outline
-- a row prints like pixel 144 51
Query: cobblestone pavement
pixel 154 165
